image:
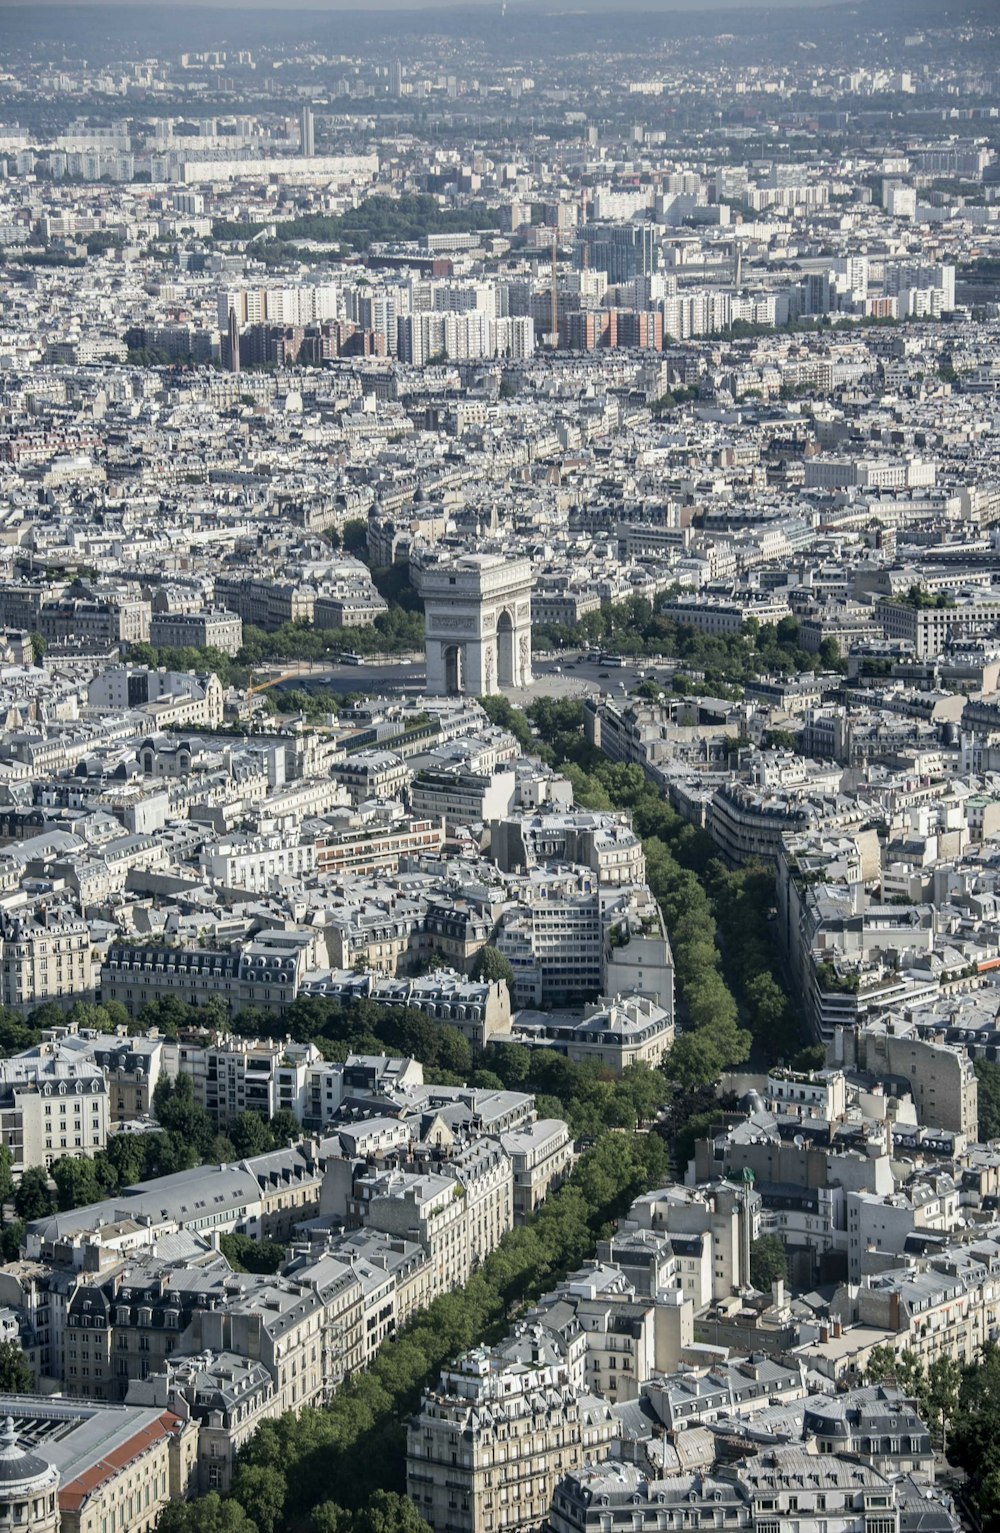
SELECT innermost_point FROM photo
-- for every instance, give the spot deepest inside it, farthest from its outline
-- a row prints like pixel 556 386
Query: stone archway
pixel 454 669
pixel 506 651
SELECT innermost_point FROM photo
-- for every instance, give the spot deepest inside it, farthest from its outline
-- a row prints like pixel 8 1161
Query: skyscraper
pixel 234 342
pixel 307 133
pixel 623 250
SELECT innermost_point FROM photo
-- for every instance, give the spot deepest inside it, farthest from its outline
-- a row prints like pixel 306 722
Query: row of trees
pixel 714 1039
pixel 988 1076
pixel 742 901
pixel 727 972
pixel 393 633
pixel 18 1033
pixel 354 1449
pixel 718 920
pixel 635 627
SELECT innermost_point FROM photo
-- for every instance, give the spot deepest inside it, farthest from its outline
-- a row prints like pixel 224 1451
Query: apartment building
pixel 284 1323
pixel 941 1075
pixel 930 629
pixel 605 843
pixel 373 774
pixel 258 863
pixel 377 935
pixel 265 973
pixel 265 603
pixel 461 797
pixel 458 1212
pixel 377 844
pixel 637 957
pixel 355 607
pixel 98 622
pixel 495 1434
pixel 478 1009
pixel 882 1228
pixel 541 1155
pixel 554 940
pixel 112 1467
pixel 786 1486
pixel 128 1323
pixel 212 629
pixel 235 1075
pixel 251 1197
pixel 739 1387
pixel 225 1395
pixel 710 1230
pixel 624 1031
pixel 132 1067
pixel 45 956
pixel 50 1106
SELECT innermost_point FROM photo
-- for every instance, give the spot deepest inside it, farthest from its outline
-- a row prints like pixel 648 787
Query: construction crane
pixel 264 686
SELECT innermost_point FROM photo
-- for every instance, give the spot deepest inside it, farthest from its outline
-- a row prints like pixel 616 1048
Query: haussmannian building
pixel 495 1434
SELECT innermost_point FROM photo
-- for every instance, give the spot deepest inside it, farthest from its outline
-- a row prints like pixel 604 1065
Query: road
pixel 555 676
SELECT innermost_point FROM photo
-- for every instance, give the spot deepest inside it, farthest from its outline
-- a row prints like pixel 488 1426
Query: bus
pixel 351 659
pixel 618 660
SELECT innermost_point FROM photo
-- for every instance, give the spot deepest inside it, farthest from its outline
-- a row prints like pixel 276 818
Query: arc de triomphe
pixel 478 615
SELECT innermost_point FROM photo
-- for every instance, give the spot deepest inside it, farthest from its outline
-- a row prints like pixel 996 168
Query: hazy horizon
pixel 555 7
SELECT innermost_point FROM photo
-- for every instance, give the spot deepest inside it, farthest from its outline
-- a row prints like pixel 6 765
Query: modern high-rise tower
pixel 233 354
pixel 307 132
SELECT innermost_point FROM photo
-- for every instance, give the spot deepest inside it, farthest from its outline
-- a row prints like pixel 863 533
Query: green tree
pixel 491 965
pixel 127 1154
pixel 328 1517
pixel 6 1181
pixel 500 710
pixel 76 1182
pixel 16 1377
pixel 988 1077
pixel 16 1034
pixel 944 1383
pixel 247 1255
pixel 209 1514
pixel 768 1262
pixel 354 537
pixel 645 1089
pixel 11 1240
pixel 974 1440
pixel 33 1198
pixel 251 1135
pixel 175 1108
pixel 511 1061
pixel 694 1060
pixel 262 1491
pixel 903 1369
pixel 812 1057
pixel 285 1127
pixel 389 1512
